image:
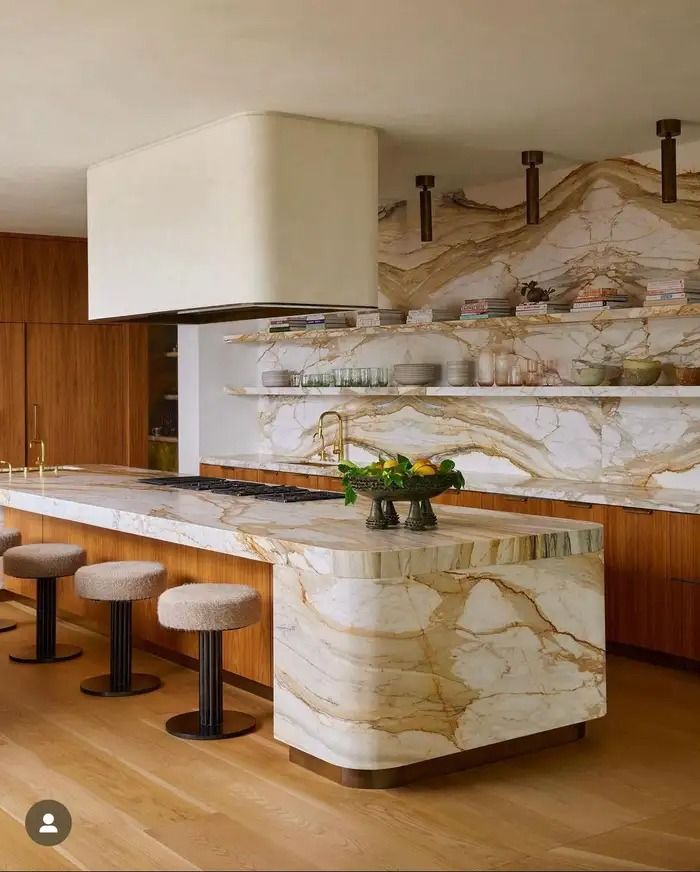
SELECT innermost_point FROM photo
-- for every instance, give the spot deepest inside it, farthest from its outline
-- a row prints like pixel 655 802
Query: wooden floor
pixel 627 797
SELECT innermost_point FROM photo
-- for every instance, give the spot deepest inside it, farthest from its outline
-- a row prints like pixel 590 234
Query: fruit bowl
pixel 402 481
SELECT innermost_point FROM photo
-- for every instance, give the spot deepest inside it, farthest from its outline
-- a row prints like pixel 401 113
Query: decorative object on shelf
pixel 588 374
pixel 425 183
pixel 411 374
pixel 485 368
pixel 276 378
pixel 532 160
pixel 534 293
pixel 668 129
pixel 460 372
pixel 687 375
pixel 398 479
pixel 640 373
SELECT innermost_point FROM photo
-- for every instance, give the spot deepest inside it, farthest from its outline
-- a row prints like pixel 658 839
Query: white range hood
pixel 250 216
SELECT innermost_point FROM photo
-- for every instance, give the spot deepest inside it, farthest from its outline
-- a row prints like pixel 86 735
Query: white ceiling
pixel 458 87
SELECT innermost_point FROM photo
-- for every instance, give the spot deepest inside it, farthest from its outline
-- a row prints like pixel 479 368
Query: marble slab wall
pixel 603 219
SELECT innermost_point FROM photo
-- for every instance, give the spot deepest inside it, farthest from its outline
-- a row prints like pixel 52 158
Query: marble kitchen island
pixel 395 653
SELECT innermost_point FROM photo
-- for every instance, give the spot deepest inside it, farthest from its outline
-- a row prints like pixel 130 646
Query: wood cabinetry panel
pixel 247 652
pixel 78 377
pixel 579 511
pixel 12 394
pixel 684 580
pixel 13 296
pixel 55 280
pixel 522 505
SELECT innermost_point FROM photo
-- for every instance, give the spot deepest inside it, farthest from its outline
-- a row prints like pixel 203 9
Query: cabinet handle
pixel 35 409
pixel 635 511
pixel 685 580
pixel 578 504
pixel 512 499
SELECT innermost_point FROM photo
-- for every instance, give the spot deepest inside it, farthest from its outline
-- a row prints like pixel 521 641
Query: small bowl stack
pixel 276 378
pixel 460 372
pixel 417 373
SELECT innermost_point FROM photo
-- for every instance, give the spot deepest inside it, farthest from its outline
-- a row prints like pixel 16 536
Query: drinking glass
pixel 485 369
pixel 502 367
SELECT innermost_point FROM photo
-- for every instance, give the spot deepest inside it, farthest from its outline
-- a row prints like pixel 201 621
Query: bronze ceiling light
pixel 425 183
pixel 532 160
pixel 667 129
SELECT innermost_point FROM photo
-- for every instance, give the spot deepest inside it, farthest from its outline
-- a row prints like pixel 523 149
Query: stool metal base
pixel 29 654
pixel 188 726
pixel 6 626
pixel 101 685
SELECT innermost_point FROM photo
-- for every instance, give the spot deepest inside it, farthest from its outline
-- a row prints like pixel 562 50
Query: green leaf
pixel 446 466
pixel 350 496
pixel 404 461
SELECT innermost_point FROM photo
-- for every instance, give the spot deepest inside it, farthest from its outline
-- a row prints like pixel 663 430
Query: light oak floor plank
pixel 627 797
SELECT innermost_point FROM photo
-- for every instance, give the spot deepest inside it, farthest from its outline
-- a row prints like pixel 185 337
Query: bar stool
pixel 44 562
pixel 120 583
pixel 9 538
pixel 209 609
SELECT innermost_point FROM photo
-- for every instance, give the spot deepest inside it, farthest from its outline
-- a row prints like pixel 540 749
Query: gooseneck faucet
pixel 338 449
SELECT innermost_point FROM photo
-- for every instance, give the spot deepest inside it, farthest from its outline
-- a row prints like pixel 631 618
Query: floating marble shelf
pixel 318 336
pixel 656 391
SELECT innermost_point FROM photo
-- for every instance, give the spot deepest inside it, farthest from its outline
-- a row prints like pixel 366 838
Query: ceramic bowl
pixel 588 374
pixel 416 373
pixel 640 373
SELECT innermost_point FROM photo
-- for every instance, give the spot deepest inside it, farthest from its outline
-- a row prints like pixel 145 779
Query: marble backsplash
pixel 603 219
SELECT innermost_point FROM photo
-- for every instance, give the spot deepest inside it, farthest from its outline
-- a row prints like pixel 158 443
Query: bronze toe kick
pixel 397 776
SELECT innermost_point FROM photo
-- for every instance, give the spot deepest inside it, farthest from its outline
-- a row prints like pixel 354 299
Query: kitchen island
pixel 395 653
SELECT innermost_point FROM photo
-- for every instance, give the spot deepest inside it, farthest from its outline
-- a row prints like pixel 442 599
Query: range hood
pixel 252 216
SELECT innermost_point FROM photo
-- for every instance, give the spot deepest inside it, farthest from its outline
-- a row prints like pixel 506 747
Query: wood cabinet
pixel 523 505
pixel 684 582
pixel 12 393
pixel 82 398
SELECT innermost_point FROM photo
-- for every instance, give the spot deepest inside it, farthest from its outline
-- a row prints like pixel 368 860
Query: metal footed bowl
pixel 418 491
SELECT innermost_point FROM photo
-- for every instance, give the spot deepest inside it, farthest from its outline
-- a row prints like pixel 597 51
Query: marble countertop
pixel 320 537
pixel 598 493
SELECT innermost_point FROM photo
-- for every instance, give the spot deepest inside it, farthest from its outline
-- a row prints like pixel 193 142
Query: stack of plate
pixel 460 372
pixel 276 378
pixel 416 373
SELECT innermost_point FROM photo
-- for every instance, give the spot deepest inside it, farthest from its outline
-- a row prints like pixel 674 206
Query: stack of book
pixel 596 299
pixel 328 320
pixel 279 325
pixel 427 315
pixel 667 292
pixel 381 318
pixel 486 307
pixel 545 307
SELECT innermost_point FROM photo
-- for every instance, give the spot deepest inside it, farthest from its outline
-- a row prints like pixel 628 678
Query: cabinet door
pixel 12 396
pixel 642 608
pixel 83 396
pixel 55 280
pixel 13 293
pixel 684 581
pixel 523 505
pixel 579 511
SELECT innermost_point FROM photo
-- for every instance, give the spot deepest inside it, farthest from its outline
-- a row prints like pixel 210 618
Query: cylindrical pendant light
pixel 531 160
pixel 425 183
pixel 667 129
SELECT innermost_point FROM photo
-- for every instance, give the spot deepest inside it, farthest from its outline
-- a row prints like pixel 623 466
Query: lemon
pixel 422 461
pixel 391 464
pixel 426 469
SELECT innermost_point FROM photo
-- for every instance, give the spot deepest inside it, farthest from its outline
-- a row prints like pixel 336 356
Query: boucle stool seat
pixel 120 582
pixel 8 539
pixel 44 562
pixel 209 610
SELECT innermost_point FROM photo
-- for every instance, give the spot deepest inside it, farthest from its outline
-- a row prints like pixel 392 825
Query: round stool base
pixel 63 652
pixel 187 726
pixel 5 626
pixel 100 685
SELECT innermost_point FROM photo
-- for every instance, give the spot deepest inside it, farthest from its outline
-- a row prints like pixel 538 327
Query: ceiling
pixel 458 87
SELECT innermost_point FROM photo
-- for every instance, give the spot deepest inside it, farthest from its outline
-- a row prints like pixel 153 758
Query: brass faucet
pixel 338 449
pixel 9 467
pixel 42 453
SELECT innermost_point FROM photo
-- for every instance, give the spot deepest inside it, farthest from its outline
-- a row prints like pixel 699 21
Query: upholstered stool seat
pixel 45 562
pixel 210 609
pixel 8 539
pixel 120 583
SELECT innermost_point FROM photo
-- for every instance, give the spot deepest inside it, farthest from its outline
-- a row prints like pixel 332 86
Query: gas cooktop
pixel 233 487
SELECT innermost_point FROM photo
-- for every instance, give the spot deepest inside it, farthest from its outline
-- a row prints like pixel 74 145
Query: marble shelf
pixel 318 337
pixel 655 391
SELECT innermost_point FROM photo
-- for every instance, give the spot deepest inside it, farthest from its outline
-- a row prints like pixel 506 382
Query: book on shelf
pixel 430 316
pixel 673 285
pixel 543 308
pixel 671 299
pixel 588 305
pixel 380 318
pixel 477 316
pixel 599 294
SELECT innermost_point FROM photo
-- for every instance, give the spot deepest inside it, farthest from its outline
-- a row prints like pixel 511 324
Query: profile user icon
pixel 48 826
